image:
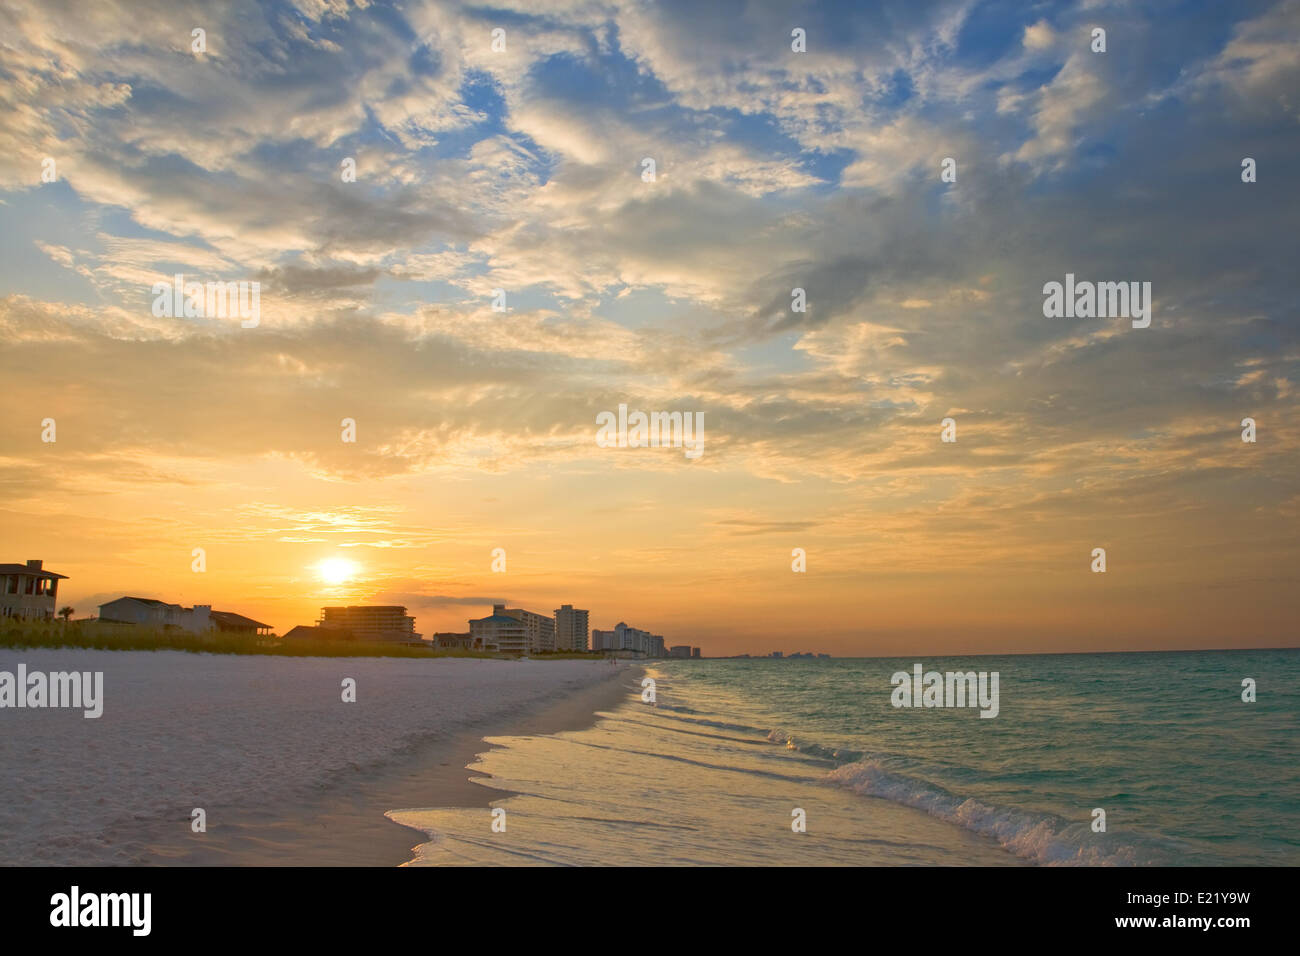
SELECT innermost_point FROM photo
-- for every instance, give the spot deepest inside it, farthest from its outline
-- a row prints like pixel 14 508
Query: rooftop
pixel 29 569
pixel 501 618
pixel 231 619
pixel 367 607
pixel 228 618
pixel 139 600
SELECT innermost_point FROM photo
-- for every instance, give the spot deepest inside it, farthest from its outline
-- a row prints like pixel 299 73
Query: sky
pixel 502 269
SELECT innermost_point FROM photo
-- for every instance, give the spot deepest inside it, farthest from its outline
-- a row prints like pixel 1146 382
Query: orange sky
pixel 501 270
pixel 701 556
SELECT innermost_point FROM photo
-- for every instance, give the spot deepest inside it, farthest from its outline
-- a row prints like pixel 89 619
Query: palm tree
pixel 66 613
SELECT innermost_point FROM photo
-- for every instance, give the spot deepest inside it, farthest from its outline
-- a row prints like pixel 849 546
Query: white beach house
pixel 199 619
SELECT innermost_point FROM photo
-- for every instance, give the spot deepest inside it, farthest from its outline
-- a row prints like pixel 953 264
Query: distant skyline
pixel 515 178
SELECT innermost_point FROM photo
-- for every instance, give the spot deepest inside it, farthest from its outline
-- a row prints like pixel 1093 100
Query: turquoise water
pixel 712 772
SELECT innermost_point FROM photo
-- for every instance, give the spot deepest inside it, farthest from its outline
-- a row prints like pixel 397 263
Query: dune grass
pixel 112 637
pixel 90 634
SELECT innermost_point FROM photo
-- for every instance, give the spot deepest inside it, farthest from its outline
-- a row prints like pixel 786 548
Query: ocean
pixel 807 762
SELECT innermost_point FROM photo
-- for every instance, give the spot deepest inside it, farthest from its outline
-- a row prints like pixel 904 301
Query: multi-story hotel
pixel 370 622
pixel 499 632
pixel 570 628
pixel 540 628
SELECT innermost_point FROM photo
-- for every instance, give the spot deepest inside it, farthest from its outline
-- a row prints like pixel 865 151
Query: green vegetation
pixel 105 637
pixel 16 633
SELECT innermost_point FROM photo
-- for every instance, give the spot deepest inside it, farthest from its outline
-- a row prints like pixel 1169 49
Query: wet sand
pixel 346 826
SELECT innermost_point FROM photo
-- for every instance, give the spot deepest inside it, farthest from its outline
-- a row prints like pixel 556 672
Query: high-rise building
pixel 570 628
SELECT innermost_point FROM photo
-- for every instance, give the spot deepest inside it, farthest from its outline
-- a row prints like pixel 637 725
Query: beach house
pixel 453 641
pixel 28 591
pixel 199 619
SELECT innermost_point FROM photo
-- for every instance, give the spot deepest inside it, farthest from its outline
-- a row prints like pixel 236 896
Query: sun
pixel 337 570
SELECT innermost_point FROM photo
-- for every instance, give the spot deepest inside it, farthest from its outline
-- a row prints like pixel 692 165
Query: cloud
pixel 521 171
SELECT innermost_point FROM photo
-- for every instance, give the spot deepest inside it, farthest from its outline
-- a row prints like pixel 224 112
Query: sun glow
pixel 337 570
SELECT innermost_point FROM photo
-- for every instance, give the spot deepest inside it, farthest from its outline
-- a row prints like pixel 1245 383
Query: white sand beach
pixel 286 771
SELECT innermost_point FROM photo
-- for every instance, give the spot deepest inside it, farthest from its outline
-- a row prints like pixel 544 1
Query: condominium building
pixel 499 632
pixel 629 638
pixel 370 622
pixel 540 628
pixel 570 628
pixel 635 639
pixel 626 639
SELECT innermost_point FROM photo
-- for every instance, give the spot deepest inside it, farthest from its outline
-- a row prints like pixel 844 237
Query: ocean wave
pixel 683 714
pixel 836 754
pixel 1038 837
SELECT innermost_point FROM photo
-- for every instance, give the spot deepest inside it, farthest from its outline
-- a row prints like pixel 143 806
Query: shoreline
pixel 347 824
